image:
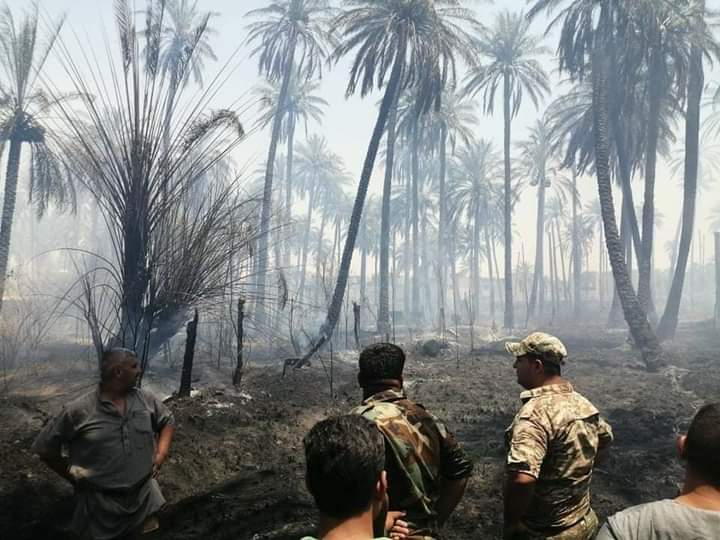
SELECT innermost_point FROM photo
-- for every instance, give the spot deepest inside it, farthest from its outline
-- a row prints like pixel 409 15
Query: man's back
pixel 662 520
pixel 555 437
pixel 419 452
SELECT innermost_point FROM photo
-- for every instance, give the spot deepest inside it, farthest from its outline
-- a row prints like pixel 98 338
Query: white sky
pixel 348 123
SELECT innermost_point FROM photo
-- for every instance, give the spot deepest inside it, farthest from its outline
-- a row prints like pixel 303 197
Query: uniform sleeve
pixel 454 462
pixel 161 414
pixel 58 431
pixel 528 447
pixel 605 434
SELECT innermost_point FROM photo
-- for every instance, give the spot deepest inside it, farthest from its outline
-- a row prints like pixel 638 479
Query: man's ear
pixel 681 443
pixel 381 486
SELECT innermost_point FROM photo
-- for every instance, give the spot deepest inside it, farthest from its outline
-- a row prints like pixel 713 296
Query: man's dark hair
pixel 344 457
pixel 702 447
pixel 381 361
pixel 551 367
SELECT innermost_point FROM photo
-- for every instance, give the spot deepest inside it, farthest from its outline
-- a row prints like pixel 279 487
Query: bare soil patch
pixel 236 469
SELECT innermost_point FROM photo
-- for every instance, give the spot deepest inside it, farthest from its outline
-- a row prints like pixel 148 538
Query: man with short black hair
pixel 427 469
pixel 117 438
pixel 695 513
pixel 552 446
pixel 344 459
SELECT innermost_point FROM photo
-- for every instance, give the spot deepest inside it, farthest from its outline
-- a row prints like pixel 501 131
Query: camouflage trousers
pixel 585 529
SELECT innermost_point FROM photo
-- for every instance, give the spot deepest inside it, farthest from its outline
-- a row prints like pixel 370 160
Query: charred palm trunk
pixel 576 251
pixel 289 188
pixel 441 230
pixel 389 98
pixel 384 297
pixel 696 78
pixel 656 76
pixel 415 180
pixel 306 242
pixel 508 321
pixel 640 329
pixel 268 186
pixel 539 252
pixel 11 179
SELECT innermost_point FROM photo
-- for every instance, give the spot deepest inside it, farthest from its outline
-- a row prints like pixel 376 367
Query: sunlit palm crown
pixel 305 23
pixel 511 51
pixel 435 32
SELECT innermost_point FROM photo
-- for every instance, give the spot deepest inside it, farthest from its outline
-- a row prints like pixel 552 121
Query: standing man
pixel 116 438
pixel 552 445
pixel 427 470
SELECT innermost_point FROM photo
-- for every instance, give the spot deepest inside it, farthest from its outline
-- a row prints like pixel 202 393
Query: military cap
pixel 541 344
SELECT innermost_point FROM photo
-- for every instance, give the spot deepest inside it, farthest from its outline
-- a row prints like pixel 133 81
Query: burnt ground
pixel 236 464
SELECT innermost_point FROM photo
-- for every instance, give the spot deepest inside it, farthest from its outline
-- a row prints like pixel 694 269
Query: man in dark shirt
pixel 427 469
pixel 117 438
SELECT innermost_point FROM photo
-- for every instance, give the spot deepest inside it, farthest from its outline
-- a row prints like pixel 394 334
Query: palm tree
pixel 448 125
pixel 590 37
pixel 702 45
pixel 473 174
pixel 179 35
pixel 512 52
pixel 23 110
pixel 317 168
pixel 291 39
pixel 408 44
pixel 303 105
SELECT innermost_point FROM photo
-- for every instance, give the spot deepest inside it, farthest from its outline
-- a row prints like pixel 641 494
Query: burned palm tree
pixel 170 249
pixel 23 121
pixel 291 39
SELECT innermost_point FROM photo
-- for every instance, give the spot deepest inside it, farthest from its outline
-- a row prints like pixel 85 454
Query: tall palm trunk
pixel 576 251
pixel 11 178
pixel 289 187
pixel 306 242
pixel 655 77
pixel 640 329
pixel 384 297
pixel 508 320
pixel 539 250
pixel 389 98
pixel 475 270
pixel 268 186
pixel 488 257
pixel 363 261
pixel 696 79
pixel 415 217
pixel 441 229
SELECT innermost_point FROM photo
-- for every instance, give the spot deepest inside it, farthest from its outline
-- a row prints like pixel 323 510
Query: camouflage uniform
pixel 419 452
pixel 555 438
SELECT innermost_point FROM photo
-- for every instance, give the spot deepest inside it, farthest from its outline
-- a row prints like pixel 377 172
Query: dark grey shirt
pixel 107 449
pixel 662 520
pixel 111 456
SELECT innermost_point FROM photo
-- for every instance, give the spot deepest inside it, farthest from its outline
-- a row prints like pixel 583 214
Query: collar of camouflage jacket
pixel 391 394
pixel 562 388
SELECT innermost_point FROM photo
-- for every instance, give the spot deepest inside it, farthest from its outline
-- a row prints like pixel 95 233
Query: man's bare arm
pixel 163 447
pixel 519 490
pixel 451 492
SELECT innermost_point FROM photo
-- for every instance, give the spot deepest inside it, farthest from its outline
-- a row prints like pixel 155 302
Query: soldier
pixel 345 458
pixel 113 454
pixel 552 446
pixel 427 470
pixel 695 513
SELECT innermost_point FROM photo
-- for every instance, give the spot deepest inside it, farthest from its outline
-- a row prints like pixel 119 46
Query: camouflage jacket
pixel 419 452
pixel 555 438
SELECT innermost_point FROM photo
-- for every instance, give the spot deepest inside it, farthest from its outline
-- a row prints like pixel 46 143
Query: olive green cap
pixel 548 347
